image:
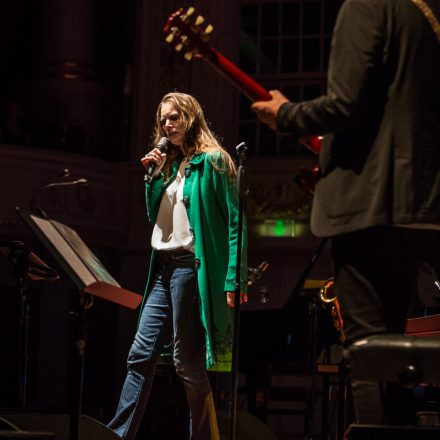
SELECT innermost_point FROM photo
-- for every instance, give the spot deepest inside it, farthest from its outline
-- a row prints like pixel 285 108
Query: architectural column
pixel 65 100
pixel 67 46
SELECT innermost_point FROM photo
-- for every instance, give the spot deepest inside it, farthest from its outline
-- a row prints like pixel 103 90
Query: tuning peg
pixel 188 56
pixel 187 18
pixel 199 20
pixel 178 47
pixel 169 38
pixel 176 31
pixel 207 32
pixel 184 39
pixel 197 24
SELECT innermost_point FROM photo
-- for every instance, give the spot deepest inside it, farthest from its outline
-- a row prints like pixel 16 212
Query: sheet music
pixel 78 261
pixel 64 249
pixel 85 254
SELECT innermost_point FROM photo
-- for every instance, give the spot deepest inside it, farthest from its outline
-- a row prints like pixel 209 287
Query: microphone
pixel 163 147
pixel 81 181
pixel 255 274
pixel 66 173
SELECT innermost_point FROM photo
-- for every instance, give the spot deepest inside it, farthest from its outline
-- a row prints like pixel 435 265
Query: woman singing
pixel 193 204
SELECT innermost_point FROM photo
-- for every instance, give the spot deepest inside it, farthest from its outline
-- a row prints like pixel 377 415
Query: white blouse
pixel 171 230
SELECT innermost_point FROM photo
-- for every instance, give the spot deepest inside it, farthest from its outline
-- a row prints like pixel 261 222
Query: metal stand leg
pixel 311 398
pixel 241 150
pixel 79 316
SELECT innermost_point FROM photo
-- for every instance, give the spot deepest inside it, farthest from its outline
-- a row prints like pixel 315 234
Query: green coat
pixel 211 204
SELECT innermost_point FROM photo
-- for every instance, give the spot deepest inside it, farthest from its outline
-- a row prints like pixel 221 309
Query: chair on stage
pixel 411 361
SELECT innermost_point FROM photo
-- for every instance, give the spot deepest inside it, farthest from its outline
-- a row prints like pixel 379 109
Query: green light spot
pixel 280 228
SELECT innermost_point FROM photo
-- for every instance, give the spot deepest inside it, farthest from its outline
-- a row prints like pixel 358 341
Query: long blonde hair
pixel 198 137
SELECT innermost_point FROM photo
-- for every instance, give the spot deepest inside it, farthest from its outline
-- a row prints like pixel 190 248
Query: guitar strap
pixel 427 12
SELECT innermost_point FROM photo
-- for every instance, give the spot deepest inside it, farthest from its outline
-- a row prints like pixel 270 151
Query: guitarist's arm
pixel 185 28
pixel 355 78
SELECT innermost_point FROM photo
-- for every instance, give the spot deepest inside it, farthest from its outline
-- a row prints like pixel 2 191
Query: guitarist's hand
pixel 267 110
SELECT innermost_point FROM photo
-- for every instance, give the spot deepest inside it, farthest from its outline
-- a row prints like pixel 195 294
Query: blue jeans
pixel 171 311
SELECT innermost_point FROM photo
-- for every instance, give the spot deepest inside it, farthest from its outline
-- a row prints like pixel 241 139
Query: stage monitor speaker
pixel 248 427
pixel 91 429
pixel 6 425
pixel 384 432
pixel 9 431
pixel 17 435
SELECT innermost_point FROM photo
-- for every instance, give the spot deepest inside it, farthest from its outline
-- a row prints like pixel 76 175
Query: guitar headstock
pixel 188 32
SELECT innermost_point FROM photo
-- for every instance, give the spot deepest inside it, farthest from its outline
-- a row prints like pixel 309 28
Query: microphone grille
pixel 163 144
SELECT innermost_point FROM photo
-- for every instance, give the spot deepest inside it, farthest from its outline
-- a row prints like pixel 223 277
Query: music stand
pixel 89 276
pixel 27 267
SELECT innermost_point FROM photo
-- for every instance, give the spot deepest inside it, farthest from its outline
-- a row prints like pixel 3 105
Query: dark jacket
pixel 382 166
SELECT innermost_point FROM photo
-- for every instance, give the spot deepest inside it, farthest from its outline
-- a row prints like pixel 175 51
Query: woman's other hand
pixel 230 298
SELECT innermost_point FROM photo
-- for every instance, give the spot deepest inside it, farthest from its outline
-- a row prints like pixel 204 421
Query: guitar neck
pixel 250 88
pixel 193 40
pixel 233 73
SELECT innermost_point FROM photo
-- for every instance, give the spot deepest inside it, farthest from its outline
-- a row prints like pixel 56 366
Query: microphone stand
pixel 78 315
pixel 241 150
pixel 310 420
pixel 20 255
pixel 65 174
